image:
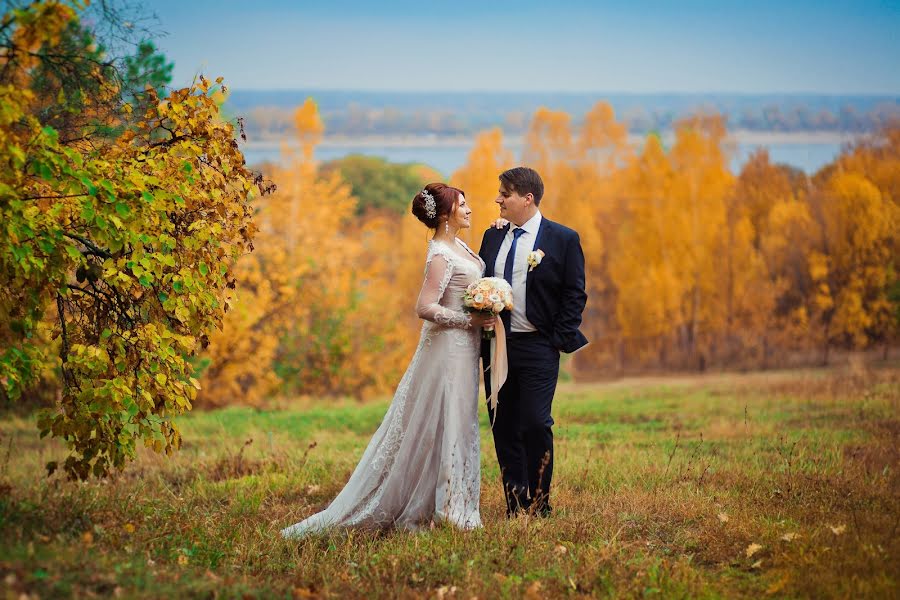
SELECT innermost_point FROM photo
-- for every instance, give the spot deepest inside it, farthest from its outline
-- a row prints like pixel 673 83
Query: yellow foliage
pixel 855 261
pixel 309 316
pixel 687 264
pixel 479 179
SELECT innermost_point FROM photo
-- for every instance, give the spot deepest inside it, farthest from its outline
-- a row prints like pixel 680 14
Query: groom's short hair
pixel 523 180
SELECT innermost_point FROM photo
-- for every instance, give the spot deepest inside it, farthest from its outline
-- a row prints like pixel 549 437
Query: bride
pixel 424 463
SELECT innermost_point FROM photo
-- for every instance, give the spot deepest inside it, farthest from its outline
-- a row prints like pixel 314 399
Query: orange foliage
pixel 478 178
pixel 688 265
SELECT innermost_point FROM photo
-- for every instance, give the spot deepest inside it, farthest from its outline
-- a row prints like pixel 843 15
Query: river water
pixel 448 156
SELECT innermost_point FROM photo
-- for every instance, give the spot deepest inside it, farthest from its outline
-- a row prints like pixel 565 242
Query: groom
pixel 549 298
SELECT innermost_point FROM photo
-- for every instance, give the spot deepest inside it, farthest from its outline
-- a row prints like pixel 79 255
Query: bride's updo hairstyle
pixel 446 199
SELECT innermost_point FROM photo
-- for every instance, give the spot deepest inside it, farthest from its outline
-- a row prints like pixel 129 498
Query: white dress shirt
pixel 518 321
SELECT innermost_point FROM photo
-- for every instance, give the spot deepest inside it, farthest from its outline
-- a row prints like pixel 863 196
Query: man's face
pixel 513 207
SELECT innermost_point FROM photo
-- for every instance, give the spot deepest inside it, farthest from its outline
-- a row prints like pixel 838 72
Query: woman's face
pixel 460 218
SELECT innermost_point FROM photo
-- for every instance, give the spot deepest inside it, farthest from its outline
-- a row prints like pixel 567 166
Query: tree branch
pixel 64 351
pixel 98 251
pixel 53 197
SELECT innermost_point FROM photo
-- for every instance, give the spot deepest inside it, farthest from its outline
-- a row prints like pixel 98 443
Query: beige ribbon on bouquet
pixel 499 367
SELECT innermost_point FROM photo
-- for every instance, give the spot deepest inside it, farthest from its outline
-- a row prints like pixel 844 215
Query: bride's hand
pixel 500 223
pixel 483 320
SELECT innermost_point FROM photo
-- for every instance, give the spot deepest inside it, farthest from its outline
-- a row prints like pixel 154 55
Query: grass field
pixel 783 484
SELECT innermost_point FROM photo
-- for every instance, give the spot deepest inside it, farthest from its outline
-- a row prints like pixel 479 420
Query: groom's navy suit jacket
pixel 554 290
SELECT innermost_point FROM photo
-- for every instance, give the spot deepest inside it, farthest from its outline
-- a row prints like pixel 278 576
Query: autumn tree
pixel 479 178
pixel 549 149
pixel 118 246
pixel 877 158
pixel 590 200
pixel 853 263
pixel 644 264
pixel 311 307
pixel 378 184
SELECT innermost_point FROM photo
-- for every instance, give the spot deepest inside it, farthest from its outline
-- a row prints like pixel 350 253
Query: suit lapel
pixel 491 254
pixel 537 246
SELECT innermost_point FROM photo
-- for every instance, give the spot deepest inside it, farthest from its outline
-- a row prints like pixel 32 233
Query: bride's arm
pixel 437 275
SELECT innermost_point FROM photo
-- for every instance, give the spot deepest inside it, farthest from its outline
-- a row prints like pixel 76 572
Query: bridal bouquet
pixel 488 295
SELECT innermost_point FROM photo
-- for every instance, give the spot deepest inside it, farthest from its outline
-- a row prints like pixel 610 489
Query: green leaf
pixel 108 186
pixel 147 196
pixel 50 133
pixel 18 154
pixel 43 169
pixel 122 209
pixel 87 211
pixel 132 408
pixel 204 269
pixel 91 188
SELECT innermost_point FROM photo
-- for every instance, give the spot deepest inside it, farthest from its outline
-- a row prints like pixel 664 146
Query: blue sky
pixel 685 46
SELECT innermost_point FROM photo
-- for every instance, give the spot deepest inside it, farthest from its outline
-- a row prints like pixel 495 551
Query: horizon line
pixel 563 92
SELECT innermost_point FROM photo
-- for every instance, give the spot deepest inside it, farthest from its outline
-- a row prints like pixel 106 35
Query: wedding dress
pixel 424 461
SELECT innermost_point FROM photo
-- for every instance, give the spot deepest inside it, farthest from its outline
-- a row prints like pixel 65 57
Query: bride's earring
pixel 447 226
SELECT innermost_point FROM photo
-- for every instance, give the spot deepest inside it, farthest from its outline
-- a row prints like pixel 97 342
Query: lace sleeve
pixel 437 276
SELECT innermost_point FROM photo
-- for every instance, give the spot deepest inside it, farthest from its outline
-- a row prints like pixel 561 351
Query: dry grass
pixel 778 484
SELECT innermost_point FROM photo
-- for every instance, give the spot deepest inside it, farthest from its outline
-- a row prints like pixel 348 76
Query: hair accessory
pixel 430 204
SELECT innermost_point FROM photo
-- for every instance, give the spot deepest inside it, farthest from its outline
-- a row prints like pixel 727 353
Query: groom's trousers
pixel 522 430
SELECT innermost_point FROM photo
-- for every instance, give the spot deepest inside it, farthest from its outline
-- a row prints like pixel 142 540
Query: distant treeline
pixel 268 114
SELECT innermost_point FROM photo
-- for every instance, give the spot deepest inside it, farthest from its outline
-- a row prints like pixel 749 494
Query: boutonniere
pixel 534 259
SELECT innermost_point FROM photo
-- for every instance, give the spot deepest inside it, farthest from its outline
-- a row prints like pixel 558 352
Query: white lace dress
pixel 424 461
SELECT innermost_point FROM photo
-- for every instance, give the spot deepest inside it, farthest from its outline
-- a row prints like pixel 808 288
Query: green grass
pixel 661 486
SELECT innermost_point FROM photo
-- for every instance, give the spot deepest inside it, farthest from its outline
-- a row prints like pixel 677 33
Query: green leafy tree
pixel 116 252
pixel 379 184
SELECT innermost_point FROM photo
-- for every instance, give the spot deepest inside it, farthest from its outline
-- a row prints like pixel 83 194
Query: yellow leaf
pixel 837 530
pixel 182 560
pixel 723 517
pixel 752 549
pixel 790 537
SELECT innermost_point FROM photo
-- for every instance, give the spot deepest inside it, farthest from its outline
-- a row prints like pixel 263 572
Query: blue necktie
pixel 511 257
